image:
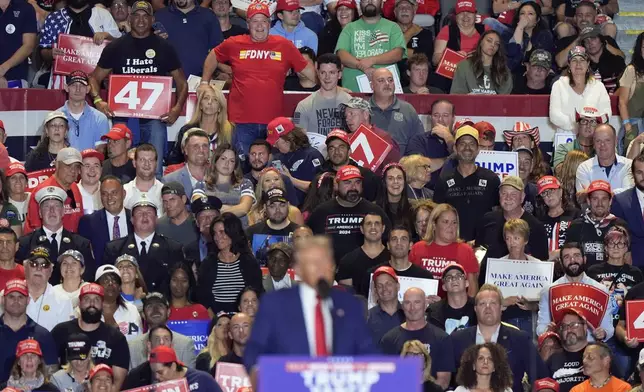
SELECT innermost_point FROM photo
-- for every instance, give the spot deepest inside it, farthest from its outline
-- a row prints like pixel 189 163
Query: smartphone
pixel 158 26
pixel 479 253
pixel 277 165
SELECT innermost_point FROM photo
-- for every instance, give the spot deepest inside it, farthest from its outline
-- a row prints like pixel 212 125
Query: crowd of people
pixel 284 246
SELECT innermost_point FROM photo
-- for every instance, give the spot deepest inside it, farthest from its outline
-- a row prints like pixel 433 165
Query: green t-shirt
pixel 10 213
pixel 362 40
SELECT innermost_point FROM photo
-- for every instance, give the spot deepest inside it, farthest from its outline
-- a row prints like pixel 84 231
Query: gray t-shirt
pixel 318 114
pixel 465 82
pixel 185 233
pixel 65 382
pixel 231 195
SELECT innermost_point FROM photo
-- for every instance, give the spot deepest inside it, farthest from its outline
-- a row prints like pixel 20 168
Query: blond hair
pixel 418 345
pixel 489 287
pixel 517 226
pixel 430 235
pixel 224 127
pixel 412 165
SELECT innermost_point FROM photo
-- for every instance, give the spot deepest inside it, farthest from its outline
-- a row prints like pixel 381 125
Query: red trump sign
pixel 140 96
pixel 447 65
pixel 368 149
pixel 81 54
pixel 232 377
pixel 173 386
pixel 589 301
pixel 37 177
pixel 635 319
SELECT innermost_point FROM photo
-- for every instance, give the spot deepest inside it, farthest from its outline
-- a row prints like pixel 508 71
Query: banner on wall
pixel 503 163
pixel 197 330
pixel 520 277
pixel 589 301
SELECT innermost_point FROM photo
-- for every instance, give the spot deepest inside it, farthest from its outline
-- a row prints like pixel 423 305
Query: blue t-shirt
pixel 10 339
pixel 304 164
pixel 201 381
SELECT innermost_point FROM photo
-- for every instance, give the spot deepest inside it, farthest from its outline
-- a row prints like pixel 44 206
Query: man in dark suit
pixel 522 354
pixel 110 223
pixel 628 206
pixel 281 326
pixel 53 236
pixel 155 252
pixel 205 209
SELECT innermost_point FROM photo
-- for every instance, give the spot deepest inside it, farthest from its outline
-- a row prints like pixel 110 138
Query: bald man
pixel 238 332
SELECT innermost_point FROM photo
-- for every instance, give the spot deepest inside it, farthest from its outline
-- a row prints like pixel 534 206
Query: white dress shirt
pixel 285 283
pixel 50 309
pixel 479 336
pixel 147 240
pixel 132 193
pixel 309 299
pixel 59 236
pixel 122 224
pixel 620 177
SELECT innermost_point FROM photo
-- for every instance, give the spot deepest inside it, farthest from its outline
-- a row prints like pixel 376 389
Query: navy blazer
pixel 94 228
pixel 626 205
pixel 279 327
pixel 522 354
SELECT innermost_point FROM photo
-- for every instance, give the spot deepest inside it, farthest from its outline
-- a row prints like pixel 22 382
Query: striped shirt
pixel 229 282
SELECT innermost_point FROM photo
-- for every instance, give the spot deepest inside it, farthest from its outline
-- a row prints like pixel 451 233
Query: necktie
pixel 320 335
pixel 116 230
pixel 53 247
pixel 143 251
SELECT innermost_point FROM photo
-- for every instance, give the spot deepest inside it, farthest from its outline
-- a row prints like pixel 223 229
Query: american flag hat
pixel 521 127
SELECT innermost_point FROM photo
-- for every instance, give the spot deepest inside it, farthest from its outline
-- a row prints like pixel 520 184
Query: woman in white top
pixel 116 311
pixel 577 87
pixel 72 267
pixel 17 182
pixel 484 368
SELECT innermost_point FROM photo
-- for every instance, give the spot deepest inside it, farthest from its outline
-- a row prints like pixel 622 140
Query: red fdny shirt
pixel 259 70
pixel 71 215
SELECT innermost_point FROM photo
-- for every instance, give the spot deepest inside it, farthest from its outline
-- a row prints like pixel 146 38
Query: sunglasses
pixel 39 265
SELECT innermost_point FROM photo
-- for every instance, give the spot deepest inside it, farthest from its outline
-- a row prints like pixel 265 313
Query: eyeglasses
pixel 39 265
pixel 451 278
pixel 618 245
pixel 572 325
pixel 414 354
pixel 548 193
pixel 585 121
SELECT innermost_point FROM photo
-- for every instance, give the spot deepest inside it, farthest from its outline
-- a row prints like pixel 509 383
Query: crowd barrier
pixel 23 111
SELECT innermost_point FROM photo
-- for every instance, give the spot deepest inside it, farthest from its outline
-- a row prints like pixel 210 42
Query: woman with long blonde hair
pixel 442 242
pixel 567 174
pixel 218 345
pixel 270 178
pixel 211 115
pixel 28 372
pixel 415 348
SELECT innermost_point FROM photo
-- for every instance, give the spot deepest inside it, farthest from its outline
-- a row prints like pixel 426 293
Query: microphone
pixel 324 288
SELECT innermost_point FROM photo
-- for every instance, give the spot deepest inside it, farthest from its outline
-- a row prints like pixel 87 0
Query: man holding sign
pixel 142 53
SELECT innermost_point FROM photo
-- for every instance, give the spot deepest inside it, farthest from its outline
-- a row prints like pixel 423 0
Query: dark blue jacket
pixel 94 228
pixel 626 206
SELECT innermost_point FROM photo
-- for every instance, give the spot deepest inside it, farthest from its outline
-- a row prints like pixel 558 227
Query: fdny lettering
pixel 260 55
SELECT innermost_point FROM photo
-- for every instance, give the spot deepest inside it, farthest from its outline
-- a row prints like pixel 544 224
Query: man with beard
pixel 192 31
pixel 395 116
pixel 587 119
pixel 177 223
pixel 144 53
pixel 90 175
pixel 383 38
pixel 471 189
pixel 276 226
pixel 79 17
pixel 589 229
pixel 119 164
pixel 416 327
pixel 109 345
pixel 196 148
pixel 340 218
pixel 338 150
pixel 628 206
pixel 259 158
pixel 536 80
pixel 522 354
pixel 221 9
pixel 606 165
pixel 238 333
pixel 145 181
pixel 574 263
pixel 387 313
pixel 606 66
pixel 319 113
pixel 205 210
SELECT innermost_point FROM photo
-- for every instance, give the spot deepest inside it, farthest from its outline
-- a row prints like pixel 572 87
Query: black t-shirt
pixel 567 369
pixel 472 196
pixel 449 319
pixel 37 161
pixel 618 279
pixel 563 43
pixel 234 30
pixel 557 228
pixel 354 266
pixel 151 55
pixel 592 241
pixel 342 224
pixel 109 345
pixel 261 236
pixel 520 87
pixel 231 357
pixel 292 83
pixel 423 42
pixel 490 234
pixel 126 172
pixel 610 68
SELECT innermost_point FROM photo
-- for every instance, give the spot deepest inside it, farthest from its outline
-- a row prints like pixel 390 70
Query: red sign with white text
pixel 232 377
pixel 37 177
pixel 447 66
pixel 140 96
pixel 368 149
pixel 635 319
pixel 589 301
pixel 81 54
pixel 174 386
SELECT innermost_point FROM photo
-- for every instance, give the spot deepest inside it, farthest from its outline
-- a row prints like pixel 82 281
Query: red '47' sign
pixel 447 65
pixel 140 96
pixel 367 148
pixel 635 319
pixel 589 301
pixel 81 53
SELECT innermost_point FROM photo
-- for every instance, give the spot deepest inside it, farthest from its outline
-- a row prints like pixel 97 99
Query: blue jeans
pixel 495 25
pixel 313 21
pixel 245 134
pixel 154 132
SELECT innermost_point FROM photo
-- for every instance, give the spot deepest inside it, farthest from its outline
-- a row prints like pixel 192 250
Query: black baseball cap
pixel 205 203
pixel 277 194
pixel 78 77
pixel 78 346
pixel 173 188
pixel 155 297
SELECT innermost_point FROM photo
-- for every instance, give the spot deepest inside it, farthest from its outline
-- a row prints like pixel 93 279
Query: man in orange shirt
pixel 68 163
pixel 597 358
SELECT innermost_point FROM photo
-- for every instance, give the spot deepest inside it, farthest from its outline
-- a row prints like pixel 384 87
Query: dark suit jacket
pixel 522 354
pixel 94 228
pixel 626 205
pixel 68 241
pixel 279 327
pixel 163 253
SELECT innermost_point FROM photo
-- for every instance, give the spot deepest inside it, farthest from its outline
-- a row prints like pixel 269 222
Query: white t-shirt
pixel 21 206
pixel 73 296
pixel 50 309
pixel 129 320
pixel 132 193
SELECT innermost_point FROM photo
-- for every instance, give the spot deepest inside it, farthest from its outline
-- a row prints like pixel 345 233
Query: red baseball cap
pixel 91 153
pixel 257 8
pixel 92 288
pixel 385 270
pixel 16 285
pixel 348 172
pixel 452 266
pixel 547 182
pixel 288 5
pixel 163 354
pixel 15 168
pixel 465 6
pixel 337 134
pixel 546 383
pixel 28 346
pixel 483 127
pixel 11 389
pixel 346 3
pixel 462 122
pixel 2 125
pixel 100 368
pixel 546 335
pixel 599 185
pixel 278 127
pixel 118 132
